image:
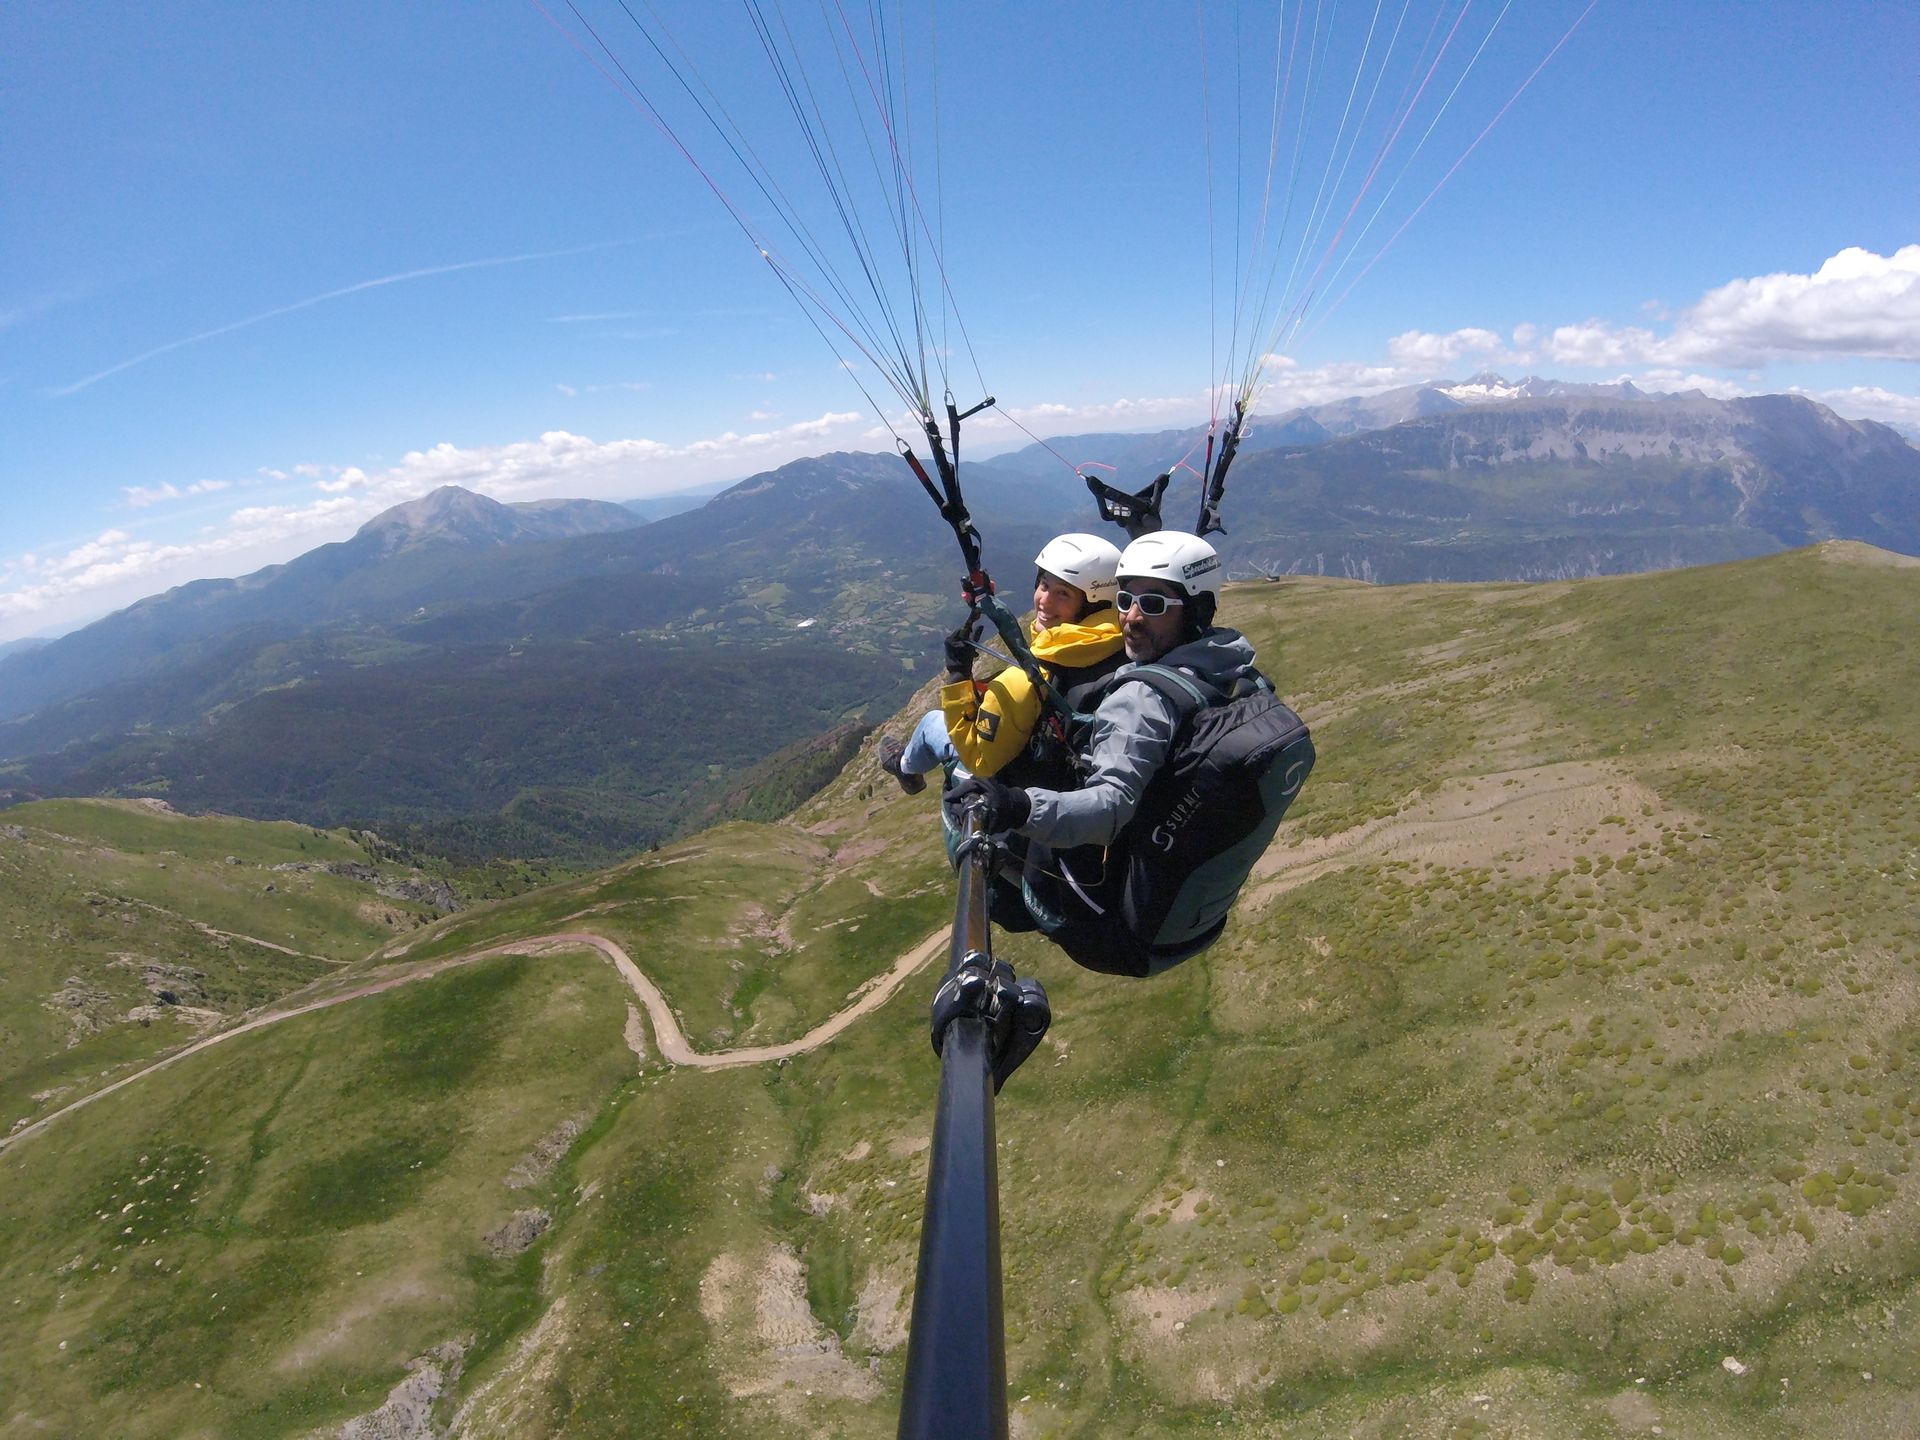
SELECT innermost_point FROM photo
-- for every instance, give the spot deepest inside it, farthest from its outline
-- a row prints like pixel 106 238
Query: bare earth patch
pixel 1503 818
pixel 1162 1312
pixel 761 1319
pixel 636 1033
pixel 883 1313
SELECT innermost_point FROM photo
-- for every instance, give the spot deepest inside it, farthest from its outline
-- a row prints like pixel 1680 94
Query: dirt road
pixel 668 1035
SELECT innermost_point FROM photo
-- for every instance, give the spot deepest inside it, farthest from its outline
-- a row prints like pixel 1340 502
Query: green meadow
pixel 1559 1075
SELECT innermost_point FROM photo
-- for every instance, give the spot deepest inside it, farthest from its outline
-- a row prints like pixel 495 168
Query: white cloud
pixel 141 496
pixel 116 567
pixel 760 417
pixel 111 559
pixel 1870 402
pixel 1596 345
pixel 351 478
pixel 1420 350
pixel 1858 305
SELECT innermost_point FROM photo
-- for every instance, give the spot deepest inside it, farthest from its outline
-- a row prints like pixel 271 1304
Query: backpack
pixel 1237 760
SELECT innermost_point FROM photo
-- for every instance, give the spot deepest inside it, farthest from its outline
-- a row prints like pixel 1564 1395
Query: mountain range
pixel 435 672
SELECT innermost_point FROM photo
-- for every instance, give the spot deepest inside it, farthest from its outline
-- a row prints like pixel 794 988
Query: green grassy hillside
pixel 129 929
pixel 1559 1075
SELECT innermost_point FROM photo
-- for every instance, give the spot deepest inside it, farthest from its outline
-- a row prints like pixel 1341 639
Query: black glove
pixel 960 653
pixel 1007 807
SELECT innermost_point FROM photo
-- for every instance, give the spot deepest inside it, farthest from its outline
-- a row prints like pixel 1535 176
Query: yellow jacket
pixel 990 724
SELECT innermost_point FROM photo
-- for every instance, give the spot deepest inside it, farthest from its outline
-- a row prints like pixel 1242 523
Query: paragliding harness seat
pixel 1161 892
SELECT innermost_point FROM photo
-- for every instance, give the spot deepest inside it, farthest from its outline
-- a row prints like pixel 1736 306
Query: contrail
pixel 77 386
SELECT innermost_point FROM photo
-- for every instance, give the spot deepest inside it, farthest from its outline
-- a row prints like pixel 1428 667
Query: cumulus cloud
pixel 1870 402
pixel 1858 305
pixel 117 566
pixel 111 560
pixel 1417 349
pixel 351 478
pixel 141 496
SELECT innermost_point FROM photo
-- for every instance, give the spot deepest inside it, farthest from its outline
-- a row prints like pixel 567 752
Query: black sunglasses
pixel 1152 606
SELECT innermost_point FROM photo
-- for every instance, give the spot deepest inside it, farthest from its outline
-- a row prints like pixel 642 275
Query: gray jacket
pixel 1128 742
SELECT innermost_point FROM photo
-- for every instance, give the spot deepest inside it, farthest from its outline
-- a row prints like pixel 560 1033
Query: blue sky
pixel 266 269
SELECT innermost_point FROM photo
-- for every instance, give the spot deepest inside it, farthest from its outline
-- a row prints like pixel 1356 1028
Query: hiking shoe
pixel 890 752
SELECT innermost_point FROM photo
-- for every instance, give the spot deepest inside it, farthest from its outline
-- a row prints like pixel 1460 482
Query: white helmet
pixel 1085 562
pixel 1176 557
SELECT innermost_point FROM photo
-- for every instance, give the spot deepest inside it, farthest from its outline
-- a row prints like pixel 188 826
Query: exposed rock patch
pixel 167 984
pixel 518 1232
pixel 85 1008
pixel 408 1411
pixel 436 895
pixel 539 1162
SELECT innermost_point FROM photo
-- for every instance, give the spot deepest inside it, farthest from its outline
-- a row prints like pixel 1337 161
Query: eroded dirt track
pixel 668 1034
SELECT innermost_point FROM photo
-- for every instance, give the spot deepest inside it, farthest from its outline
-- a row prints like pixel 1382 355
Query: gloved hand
pixel 1007 807
pixel 960 652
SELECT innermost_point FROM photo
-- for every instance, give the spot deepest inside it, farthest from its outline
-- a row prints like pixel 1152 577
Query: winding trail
pixel 672 1040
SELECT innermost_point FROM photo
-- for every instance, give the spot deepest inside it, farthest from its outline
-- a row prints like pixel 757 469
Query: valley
pixel 1557 1075
pixel 474 679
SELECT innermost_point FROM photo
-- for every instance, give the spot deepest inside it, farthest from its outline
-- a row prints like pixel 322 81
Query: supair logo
pixel 1201 567
pixel 1168 831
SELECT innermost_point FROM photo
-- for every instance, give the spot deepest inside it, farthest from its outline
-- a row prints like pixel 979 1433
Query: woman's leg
pixel 929 746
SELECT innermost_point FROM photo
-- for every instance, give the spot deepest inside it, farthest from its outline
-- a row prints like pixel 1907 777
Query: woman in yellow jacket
pixel 989 726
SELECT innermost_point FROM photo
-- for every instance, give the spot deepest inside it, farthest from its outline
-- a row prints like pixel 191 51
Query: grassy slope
pixel 103 896
pixel 250 1242
pixel 1585 1056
